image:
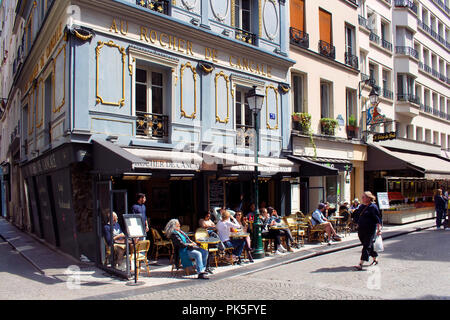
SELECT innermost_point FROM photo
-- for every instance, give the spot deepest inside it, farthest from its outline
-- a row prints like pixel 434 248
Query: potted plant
pixel 302 121
pixel 328 126
pixel 352 128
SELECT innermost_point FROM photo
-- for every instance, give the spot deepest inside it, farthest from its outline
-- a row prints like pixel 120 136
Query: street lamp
pixel 374 97
pixel 255 99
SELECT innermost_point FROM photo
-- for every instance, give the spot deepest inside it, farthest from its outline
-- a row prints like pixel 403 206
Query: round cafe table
pixel 239 234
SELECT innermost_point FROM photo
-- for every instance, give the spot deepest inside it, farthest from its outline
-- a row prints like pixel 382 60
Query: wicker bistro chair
pixel 141 256
pixel 159 242
pixel 176 263
pixel 202 233
pixel 314 233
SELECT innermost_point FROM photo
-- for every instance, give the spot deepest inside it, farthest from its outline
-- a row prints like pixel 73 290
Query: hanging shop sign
pixel 384 136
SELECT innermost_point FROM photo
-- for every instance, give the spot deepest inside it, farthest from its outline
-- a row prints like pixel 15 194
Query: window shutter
pixel 298 14
pixel 325 26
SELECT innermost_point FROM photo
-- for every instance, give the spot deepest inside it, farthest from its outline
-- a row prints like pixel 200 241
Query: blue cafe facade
pixel 126 96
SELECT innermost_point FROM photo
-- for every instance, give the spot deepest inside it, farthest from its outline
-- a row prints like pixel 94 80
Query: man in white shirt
pixel 223 229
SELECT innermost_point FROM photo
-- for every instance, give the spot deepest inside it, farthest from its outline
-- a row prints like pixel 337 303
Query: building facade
pixel 113 97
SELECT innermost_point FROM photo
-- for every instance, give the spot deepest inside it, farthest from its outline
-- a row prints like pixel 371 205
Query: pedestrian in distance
pixel 369 221
pixel 440 205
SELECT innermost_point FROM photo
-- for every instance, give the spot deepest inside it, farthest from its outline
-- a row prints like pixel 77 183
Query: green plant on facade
pixel 328 126
pixel 304 125
pixel 352 121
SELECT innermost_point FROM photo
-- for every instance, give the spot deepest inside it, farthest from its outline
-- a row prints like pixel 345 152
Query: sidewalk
pixel 51 262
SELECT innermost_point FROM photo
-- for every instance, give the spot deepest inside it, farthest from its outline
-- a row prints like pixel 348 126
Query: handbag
pixel 378 244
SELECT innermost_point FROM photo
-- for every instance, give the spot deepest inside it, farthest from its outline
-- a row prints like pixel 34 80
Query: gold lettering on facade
pixel 123 32
pixel 114 26
pixel 153 36
pixel 160 39
pixel 181 45
pixel 211 54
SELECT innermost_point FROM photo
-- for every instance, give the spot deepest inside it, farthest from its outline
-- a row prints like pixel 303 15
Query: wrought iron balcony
pixel 427 109
pixel 152 125
pixel 388 93
pixel 363 22
pixel 327 50
pixel 161 6
pixel 386 44
pixel 374 37
pixel 299 37
pixel 407 51
pixel 351 60
pixel 245 36
pixel 408 97
pixel 245 136
pixel 406 4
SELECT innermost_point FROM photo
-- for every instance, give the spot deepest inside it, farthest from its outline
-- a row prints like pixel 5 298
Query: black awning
pixel 310 168
pixel 380 158
pixel 112 159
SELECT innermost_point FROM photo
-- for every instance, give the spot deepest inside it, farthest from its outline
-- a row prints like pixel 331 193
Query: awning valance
pixel 310 168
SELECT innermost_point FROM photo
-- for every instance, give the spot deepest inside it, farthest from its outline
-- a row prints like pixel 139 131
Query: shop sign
pixel 384 136
pixel 339 166
pixel 383 200
pixel 262 168
pixel 161 164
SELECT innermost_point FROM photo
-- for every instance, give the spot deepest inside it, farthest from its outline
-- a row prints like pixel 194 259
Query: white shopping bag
pixel 378 245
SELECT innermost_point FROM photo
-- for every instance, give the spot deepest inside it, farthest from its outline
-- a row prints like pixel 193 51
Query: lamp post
pixel 255 99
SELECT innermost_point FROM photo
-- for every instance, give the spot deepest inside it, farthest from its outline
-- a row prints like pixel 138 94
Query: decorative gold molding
pixel 57 109
pixel 267 106
pixel 41 120
pixel 131 65
pixel 110 44
pixel 206 69
pixel 227 79
pixel 82 37
pixel 233 13
pixel 30 112
pixel 194 75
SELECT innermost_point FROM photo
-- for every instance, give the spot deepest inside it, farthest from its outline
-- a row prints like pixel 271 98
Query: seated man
pixel 118 239
pixel 285 232
pixel 223 229
pixel 319 220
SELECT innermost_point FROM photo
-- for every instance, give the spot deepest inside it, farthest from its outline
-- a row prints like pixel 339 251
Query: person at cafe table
pixel 270 233
pixel 318 219
pixel 284 232
pixel 224 229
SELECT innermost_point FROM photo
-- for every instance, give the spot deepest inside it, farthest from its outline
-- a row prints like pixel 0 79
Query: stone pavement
pixel 51 262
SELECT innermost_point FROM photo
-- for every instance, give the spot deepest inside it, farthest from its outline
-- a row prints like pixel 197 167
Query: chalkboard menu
pixel 216 193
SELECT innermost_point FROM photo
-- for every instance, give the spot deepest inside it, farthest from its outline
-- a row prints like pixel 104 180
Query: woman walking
pixel 369 226
pixel 440 206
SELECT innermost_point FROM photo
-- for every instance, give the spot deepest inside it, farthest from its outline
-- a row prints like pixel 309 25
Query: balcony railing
pixel 436 112
pixel 388 94
pixel 152 125
pixel 406 4
pixel 245 36
pixel 363 22
pixel 327 50
pixel 161 6
pixel 427 109
pixel 299 37
pixel 374 37
pixel 245 136
pixel 407 51
pixel 408 97
pixel 386 44
pixel 351 60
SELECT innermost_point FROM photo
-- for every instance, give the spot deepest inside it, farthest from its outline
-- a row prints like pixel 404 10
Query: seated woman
pixel 187 249
pixel 223 228
pixel 242 221
pixel 210 226
pixel 285 232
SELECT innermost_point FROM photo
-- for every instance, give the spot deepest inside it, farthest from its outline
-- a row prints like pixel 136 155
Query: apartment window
pixel 428 135
pixel 351 104
pixel 410 132
pixel 298 90
pixel 325 28
pixel 419 134
pixel 48 98
pixel 242 18
pixel 362 8
pixel 435 137
pixel 298 14
pixel 349 39
pixel 243 113
pixel 149 91
pixel 386 82
pixel 443 144
pixel 425 16
pixel 325 100
pixel 373 73
pixel 384 31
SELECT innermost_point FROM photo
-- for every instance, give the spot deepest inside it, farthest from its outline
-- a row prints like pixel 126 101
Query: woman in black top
pixel 440 204
pixel 369 225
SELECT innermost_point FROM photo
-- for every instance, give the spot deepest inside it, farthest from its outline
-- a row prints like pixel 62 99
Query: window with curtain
pixel 325 100
pixel 298 14
pixel 243 113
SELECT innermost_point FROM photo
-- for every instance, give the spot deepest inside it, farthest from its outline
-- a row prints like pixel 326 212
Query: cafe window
pixel 149 88
pixel 242 15
pixel 298 90
pixel 298 14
